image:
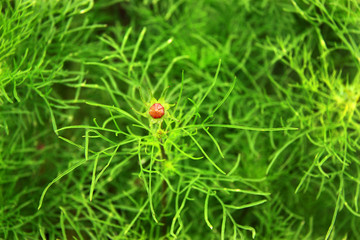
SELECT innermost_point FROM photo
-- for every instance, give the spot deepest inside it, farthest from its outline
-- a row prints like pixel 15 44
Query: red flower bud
pixel 157 110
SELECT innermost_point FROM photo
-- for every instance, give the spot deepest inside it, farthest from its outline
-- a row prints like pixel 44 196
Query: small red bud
pixel 157 110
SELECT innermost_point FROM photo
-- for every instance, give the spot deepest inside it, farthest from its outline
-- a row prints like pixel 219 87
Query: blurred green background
pixel 267 91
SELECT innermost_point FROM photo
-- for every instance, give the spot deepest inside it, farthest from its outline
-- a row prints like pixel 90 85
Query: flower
pixel 157 110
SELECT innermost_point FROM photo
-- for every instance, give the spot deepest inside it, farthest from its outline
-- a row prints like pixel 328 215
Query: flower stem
pixel 163 189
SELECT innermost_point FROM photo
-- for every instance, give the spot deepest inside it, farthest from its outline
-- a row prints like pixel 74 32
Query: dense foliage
pixel 260 137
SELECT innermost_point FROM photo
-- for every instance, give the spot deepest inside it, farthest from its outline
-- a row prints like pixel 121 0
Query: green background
pixel 261 139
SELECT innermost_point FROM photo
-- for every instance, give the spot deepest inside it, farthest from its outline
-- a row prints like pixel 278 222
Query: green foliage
pixel 259 140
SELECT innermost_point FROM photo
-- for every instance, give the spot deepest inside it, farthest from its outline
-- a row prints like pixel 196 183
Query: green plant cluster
pixel 260 138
